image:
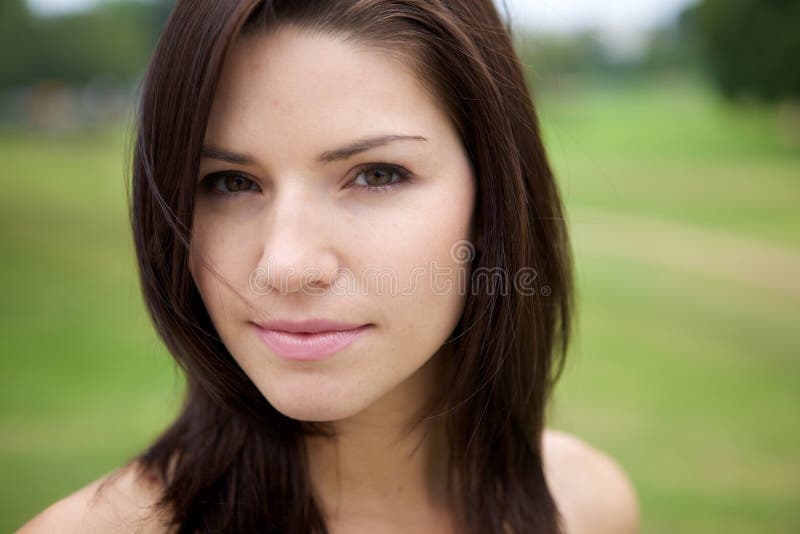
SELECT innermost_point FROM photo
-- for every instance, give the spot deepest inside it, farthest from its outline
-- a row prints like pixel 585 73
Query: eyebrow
pixel 361 145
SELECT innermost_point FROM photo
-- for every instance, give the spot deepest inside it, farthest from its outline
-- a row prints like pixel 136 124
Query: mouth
pixel 309 346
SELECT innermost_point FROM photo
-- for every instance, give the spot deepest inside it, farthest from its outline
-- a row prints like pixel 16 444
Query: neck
pixel 381 467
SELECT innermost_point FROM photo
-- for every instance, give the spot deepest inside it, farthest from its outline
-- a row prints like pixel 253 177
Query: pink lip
pixel 310 326
pixel 326 338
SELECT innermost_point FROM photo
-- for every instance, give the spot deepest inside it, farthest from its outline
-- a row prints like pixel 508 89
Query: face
pixel 287 226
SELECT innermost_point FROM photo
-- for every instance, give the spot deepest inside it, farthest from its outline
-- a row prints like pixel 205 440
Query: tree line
pixel 749 47
pixel 113 40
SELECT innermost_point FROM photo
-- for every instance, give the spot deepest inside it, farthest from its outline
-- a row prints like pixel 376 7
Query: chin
pixel 316 407
pixel 315 412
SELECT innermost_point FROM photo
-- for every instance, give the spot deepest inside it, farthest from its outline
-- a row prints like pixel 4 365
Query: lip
pixel 308 340
pixel 309 326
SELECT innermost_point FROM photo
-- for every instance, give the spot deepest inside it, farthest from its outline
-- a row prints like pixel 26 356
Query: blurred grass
pixel 686 374
pixel 84 382
pixel 684 215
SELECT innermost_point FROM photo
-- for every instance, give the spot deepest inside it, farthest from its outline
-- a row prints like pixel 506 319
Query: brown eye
pixel 380 177
pixel 234 183
pixel 228 184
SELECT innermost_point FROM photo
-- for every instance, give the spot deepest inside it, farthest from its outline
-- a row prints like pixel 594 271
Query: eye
pixel 380 177
pixel 228 183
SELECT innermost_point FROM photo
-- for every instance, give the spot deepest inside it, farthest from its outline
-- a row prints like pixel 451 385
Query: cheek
pixel 425 248
pixel 225 241
pixel 221 258
pixel 428 236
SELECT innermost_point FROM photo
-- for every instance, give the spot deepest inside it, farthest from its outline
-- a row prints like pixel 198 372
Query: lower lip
pixel 309 347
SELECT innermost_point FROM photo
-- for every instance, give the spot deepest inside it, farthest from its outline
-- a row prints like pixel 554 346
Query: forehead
pixel 292 83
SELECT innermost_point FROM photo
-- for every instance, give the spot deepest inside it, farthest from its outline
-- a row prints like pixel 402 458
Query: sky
pixel 564 16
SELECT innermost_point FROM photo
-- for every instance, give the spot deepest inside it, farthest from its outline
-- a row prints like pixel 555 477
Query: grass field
pixel 684 213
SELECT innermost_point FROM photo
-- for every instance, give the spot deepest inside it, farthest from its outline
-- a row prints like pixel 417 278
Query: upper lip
pixel 311 326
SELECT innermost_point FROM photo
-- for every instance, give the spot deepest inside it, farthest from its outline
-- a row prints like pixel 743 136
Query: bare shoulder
pixel 121 501
pixel 593 493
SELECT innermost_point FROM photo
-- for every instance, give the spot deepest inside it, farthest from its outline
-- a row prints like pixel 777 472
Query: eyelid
pixel 208 181
pixel 227 172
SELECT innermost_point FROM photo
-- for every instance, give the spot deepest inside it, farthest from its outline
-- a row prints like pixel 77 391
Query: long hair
pixel 231 462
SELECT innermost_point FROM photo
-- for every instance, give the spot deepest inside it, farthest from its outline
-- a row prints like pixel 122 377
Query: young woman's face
pixel 315 232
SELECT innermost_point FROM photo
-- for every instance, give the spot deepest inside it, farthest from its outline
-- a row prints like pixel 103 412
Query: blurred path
pixel 688 248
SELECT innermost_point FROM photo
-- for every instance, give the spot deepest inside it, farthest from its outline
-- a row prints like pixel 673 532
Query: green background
pixel 683 211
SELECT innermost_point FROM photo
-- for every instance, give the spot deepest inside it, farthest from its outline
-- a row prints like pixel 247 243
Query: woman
pixel 350 240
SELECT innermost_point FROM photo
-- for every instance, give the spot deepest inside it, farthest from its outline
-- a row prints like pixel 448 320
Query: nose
pixel 298 254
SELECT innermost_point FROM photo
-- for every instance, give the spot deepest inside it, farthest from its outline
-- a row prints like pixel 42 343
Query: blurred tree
pixel 753 46
pixel 548 55
pixel 674 47
pixel 112 40
pixel 14 41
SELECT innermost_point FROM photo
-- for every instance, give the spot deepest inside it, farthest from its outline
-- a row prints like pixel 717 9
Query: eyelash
pixel 403 175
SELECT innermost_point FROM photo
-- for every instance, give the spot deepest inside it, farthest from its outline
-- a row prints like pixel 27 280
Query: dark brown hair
pixel 231 462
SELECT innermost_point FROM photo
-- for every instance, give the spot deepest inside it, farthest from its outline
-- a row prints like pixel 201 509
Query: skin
pixel 282 109
pixel 594 494
pixel 298 214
